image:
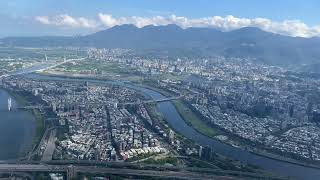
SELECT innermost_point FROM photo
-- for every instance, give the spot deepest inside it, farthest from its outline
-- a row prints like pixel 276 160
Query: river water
pixel 17 129
pixel 170 113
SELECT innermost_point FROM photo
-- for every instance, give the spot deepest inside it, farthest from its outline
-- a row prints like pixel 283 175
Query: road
pixel 152 101
pixel 40 67
pixel 36 148
pixel 125 169
pixel 151 173
pixel 18 168
pixel 48 152
pixel 58 64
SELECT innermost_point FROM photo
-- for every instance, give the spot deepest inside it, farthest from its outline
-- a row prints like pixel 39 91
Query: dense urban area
pixel 159 89
pixel 96 115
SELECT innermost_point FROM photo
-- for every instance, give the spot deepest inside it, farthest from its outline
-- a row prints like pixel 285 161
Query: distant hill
pixel 171 39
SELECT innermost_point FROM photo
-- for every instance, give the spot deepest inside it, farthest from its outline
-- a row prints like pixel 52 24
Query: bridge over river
pixel 41 67
pixel 168 110
pixel 100 104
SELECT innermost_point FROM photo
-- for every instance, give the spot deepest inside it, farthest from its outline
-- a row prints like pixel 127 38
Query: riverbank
pixel 40 127
pixel 175 121
pixel 191 119
pixel 19 99
pixel 200 126
pixel 38 118
pixel 133 77
pixel 189 116
pixel 197 123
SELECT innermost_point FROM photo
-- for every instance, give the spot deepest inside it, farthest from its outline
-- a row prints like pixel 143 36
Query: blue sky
pixel 22 17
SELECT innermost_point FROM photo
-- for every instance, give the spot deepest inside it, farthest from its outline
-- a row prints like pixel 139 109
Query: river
pixel 168 110
pixel 17 129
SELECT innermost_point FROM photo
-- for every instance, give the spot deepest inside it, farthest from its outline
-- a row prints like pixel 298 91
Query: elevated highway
pixel 73 168
pixel 40 67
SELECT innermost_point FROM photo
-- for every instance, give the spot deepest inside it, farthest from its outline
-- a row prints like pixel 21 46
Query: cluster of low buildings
pixel 253 101
pixel 267 105
pixel 94 122
pixel 130 135
pixel 270 106
pixel 151 65
pixel 302 141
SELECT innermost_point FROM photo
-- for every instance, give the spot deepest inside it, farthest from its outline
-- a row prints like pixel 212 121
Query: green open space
pixel 193 120
pixel 171 76
pixel 40 127
pixel 163 161
pixel 90 65
pixel 101 69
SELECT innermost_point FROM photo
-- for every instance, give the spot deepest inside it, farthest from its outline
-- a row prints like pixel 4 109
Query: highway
pixel 150 173
pixel 40 67
pixel 58 64
pixel 152 101
pixel 31 168
pixel 127 169
pixel 102 170
pixel 50 146
pixel 72 170
pixel 36 148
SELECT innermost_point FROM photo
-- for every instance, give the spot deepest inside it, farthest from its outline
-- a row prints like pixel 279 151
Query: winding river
pixel 170 113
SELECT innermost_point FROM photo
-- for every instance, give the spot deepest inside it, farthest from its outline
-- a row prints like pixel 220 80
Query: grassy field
pixel 193 120
pixel 171 76
pixel 162 161
pixel 39 126
pixel 100 67
pixel 106 70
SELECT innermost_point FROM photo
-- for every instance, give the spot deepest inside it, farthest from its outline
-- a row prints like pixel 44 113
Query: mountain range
pixel 270 48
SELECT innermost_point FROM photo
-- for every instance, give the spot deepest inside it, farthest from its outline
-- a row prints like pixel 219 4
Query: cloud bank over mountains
pixel 293 28
pixel 65 20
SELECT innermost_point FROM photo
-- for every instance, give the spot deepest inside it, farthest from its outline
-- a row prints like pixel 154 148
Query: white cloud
pixel 64 20
pixel 227 23
pixel 43 19
pixel 108 20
